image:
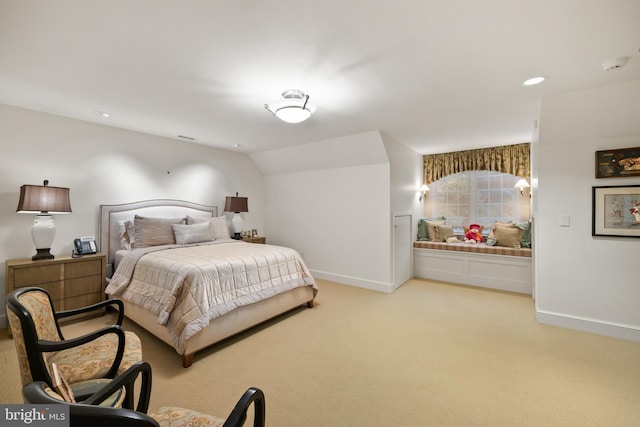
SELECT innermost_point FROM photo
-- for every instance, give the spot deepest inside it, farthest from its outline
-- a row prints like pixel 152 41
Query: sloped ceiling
pixel 434 75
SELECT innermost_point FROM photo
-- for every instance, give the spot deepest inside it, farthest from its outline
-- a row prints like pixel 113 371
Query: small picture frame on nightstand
pixel 254 232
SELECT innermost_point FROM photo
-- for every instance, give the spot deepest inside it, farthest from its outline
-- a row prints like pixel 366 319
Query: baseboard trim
pixel 354 281
pixel 614 330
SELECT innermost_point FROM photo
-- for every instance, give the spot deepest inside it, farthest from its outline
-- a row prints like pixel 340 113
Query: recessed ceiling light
pixel 534 81
pixel 237 145
pixel 102 114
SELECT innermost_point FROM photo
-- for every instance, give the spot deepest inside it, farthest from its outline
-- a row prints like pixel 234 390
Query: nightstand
pixel 262 239
pixel 71 282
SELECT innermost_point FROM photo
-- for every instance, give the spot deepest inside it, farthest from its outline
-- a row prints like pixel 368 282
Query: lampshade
pixel 423 191
pixel 42 198
pixel 293 107
pixel 522 183
pixel 44 201
pixel 236 204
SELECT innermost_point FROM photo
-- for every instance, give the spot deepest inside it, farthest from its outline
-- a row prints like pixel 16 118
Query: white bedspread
pixel 187 286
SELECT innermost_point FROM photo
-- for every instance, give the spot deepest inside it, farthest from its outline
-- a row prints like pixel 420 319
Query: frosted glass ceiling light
pixel 293 107
pixel 534 81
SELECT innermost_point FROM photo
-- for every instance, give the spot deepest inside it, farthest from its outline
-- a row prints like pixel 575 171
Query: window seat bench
pixel 495 267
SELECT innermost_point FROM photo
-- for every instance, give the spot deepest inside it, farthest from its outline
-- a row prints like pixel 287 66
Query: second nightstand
pixel 255 239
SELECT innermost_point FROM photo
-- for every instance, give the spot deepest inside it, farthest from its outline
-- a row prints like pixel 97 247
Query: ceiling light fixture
pixel 293 107
pixel 102 114
pixel 534 81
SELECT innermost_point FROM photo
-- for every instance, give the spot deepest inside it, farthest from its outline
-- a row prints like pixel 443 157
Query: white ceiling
pixel 437 75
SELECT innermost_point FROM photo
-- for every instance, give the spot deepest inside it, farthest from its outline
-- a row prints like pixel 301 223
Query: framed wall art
pixel 619 162
pixel 616 211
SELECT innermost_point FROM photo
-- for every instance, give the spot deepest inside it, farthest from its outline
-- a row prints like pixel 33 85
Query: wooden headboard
pixel 158 208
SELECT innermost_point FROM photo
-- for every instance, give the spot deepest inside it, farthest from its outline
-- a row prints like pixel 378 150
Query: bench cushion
pixel 477 248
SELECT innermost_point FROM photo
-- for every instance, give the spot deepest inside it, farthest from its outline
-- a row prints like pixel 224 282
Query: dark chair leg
pixel 129 401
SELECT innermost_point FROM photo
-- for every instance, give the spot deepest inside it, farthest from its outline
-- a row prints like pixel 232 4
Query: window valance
pixel 512 159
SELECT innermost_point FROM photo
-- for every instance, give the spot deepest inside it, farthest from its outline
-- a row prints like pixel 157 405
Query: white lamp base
pixel 236 223
pixel 43 232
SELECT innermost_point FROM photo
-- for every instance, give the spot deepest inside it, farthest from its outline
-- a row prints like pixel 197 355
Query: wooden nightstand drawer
pixel 262 239
pixel 54 289
pixel 82 301
pixel 82 269
pixel 36 275
pixel 82 286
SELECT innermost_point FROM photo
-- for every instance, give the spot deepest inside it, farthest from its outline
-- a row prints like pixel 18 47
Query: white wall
pixel 407 175
pixel 584 282
pixel 330 200
pixel 106 165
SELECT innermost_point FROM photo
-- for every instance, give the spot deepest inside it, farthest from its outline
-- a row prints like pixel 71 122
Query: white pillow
pixel 219 228
pixel 193 233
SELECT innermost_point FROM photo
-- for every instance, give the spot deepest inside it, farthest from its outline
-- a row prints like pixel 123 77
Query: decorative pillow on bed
pixel 155 231
pixel 127 234
pixel 219 228
pixel 193 233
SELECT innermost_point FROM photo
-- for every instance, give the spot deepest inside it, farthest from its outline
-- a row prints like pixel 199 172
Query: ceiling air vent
pixel 613 64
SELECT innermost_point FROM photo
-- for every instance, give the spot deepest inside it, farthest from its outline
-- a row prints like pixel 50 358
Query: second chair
pixel 90 413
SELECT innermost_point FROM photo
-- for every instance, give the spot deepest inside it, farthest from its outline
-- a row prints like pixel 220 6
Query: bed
pixel 195 291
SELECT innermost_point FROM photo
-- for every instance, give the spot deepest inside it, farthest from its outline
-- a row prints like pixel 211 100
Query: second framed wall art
pixel 616 211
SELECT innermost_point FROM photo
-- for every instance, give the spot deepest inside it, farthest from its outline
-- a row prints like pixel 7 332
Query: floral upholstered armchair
pixel 39 342
pixel 92 412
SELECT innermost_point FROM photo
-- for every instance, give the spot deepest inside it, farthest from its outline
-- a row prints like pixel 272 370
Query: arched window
pixel 477 197
pixel 478 186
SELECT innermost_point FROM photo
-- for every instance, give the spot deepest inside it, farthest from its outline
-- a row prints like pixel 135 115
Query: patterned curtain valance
pixel 512 159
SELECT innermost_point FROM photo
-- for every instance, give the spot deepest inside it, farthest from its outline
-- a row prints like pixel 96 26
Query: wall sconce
pixel 44 201
pixel 236 204
pixel 423 191
pixel 522 184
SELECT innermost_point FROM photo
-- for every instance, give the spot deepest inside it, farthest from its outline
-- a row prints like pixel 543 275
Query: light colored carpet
pixel 429 354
